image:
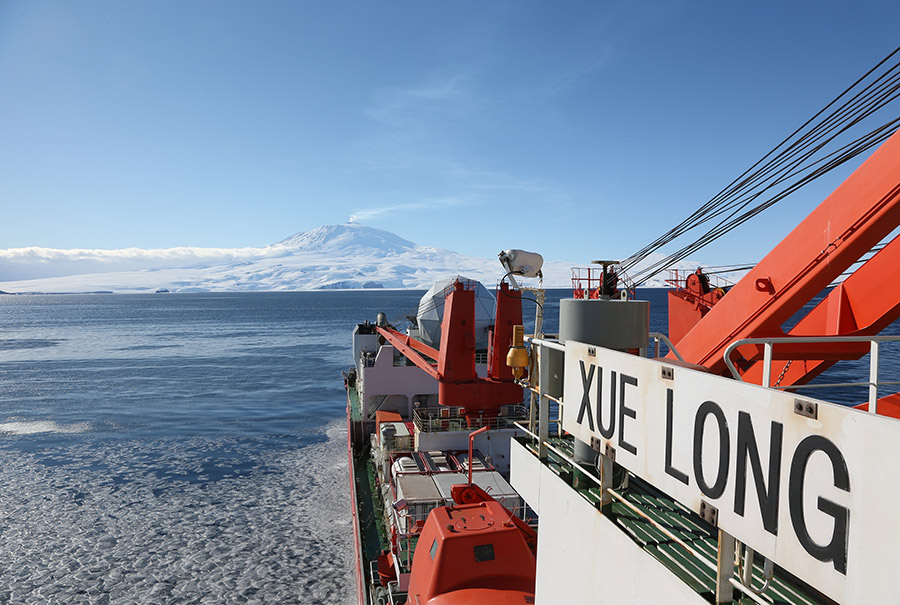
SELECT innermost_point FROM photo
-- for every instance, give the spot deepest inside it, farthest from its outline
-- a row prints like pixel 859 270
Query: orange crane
pixel 859 214
pixel 458 382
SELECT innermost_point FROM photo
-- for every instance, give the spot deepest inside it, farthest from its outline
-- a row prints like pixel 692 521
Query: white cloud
pixel 364 214
pixel 32 262
pixel 406 107
pixel 104 255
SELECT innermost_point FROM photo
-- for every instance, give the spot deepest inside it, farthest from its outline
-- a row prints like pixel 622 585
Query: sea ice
pixel 130 536
pixel 43 426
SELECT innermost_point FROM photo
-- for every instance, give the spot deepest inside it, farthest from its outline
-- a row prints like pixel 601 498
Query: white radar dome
pixel 431 311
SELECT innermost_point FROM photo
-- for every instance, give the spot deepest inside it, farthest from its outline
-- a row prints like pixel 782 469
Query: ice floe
pixel 42 426
pixel 127 521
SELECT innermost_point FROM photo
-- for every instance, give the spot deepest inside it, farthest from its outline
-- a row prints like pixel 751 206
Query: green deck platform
pixel 697 569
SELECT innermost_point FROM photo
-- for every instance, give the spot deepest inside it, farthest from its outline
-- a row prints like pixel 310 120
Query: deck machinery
pixel 706 476
pixel 713 460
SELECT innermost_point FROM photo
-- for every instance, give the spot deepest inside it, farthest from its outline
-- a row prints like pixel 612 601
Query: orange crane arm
pixel 853 219
pixel 859 306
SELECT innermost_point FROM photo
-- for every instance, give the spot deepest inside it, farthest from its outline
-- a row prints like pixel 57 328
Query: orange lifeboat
pixel 477 553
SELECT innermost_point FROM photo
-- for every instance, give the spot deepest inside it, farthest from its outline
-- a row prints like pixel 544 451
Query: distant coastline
pixel 53 293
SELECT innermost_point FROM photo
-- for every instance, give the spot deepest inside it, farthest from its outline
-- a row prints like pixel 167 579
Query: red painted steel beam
pixel 458 382
pixel 887 406
pixel 457 359
pixel 412 349
pixel 853 219
pixel 860 306
pixel 459 385
pixel 508 314
pixel 472 436
pixel 479 397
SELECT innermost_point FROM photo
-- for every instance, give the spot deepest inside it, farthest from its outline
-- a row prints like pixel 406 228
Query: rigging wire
pixel 734 270
pixel 726 226
pixel 859 146
pixel 738 184
pixel 735 267
pixel 520 295
pixel 794 162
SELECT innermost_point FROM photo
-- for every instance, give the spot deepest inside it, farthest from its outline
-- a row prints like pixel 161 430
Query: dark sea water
pixel 177 448
pixel 183 448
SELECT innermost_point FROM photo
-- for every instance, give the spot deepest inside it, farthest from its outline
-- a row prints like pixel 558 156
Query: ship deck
pixel 647 513
pixel 650 510
pixel 372 533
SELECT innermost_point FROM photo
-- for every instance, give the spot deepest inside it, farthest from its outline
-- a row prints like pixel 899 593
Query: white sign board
pixel 818 496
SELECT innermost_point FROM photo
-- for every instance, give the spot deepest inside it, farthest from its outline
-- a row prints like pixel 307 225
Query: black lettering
pixel 600 400
pixel 607 432
pixel 625 411
pixel 671 470
pixel 836 549
pixel 747 448
pixel 586 379
pixel 711 408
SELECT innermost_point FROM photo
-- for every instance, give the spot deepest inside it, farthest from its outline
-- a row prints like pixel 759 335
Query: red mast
pixel 458 383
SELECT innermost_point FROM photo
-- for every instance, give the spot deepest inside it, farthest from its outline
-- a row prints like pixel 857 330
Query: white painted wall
pixel 384 378
pixel 524 475
pixel 582 556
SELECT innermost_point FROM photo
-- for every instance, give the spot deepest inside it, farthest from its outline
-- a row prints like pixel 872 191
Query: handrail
pixel 527 386
pixel 769 344
pixel 530 434
pixel 553 344
pixel 543 342
pixel 662 529
pixel 429 419
pixel 660 336
pixel 621 498
pixel 544 446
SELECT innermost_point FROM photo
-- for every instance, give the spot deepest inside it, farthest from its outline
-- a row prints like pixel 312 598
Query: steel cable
pixel 792 164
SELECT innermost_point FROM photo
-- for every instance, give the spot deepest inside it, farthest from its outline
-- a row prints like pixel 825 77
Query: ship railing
pixel 442 419
pixel 404 548
pixel 873 383
pixel 589 282
pixel 413 514
pixel 602 475
pixel 527 386
pixel 467 284
pixel 721 561
pixel 374 578
pixel 405 443
pixel 396 597
pixel 545 347
pixel 658 339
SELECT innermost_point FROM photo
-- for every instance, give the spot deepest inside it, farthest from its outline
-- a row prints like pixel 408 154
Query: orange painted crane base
pixel 848 224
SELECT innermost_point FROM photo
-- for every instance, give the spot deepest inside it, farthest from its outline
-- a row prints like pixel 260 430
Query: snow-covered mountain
pixel 349 238
pixel 334 256
pixel 348 256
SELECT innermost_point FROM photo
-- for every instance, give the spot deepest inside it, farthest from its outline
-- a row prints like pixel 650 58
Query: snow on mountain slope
pixel 334 256
pixel 346 256
pixel 349 237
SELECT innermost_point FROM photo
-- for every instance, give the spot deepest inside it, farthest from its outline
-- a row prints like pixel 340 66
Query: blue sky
pixel 579 129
